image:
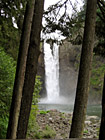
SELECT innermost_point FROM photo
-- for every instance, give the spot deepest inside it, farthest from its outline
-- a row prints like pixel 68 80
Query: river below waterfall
pixel 92 110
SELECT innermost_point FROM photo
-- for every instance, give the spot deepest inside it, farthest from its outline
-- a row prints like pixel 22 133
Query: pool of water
pixel 92 110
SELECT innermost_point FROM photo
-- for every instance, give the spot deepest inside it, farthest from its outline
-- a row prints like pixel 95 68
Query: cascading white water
pixel 51 58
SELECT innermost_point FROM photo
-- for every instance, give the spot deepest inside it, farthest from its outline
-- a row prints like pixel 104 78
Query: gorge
pixel 69 56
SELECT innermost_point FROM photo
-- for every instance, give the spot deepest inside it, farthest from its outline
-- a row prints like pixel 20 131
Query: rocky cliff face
pixel 69 56
pixel 68 72
pixel 41 73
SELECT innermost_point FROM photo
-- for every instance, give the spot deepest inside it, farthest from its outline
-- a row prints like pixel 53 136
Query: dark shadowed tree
pixel 20 71
pixel 102 126
pixel 99 49
pixel 84 72
pixel 31 69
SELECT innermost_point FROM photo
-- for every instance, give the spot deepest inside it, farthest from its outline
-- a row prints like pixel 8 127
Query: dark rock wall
pixel 69 57
pixel 41 73
pixel 68 72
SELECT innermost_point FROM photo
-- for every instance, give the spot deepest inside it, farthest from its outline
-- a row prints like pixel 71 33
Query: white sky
pixel 51 2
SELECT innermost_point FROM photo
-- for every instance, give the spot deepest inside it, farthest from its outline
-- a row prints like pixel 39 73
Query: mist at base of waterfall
pixel 92 110
pixel 58 100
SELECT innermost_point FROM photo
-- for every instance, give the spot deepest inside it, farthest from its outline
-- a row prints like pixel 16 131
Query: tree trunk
pixel 31 69
pixel 20 71
pixel 84 72
pixel 102 126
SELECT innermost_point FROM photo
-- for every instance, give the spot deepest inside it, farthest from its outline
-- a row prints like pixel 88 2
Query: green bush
pixel 47 133
pixel 44 112
pixel 7 75
pixel 97 76
pixel 85 131
pixel 32 125
pixel 3 127
pixel 37 89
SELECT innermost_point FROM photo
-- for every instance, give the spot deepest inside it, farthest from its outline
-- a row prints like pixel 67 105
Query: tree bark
pixel 84 72
pixel 102 126
pixel 31 69
pixel 20 71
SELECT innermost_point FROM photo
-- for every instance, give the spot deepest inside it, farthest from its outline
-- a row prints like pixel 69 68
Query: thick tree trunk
pixel 31 69
pixel 20 71
pixel 102 126
pixel 84 72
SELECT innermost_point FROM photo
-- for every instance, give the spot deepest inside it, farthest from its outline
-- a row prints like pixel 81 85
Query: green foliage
pixel 97 74
pixel 98 71
pixel 44 112
pixel 37 135
pixel 11 12
pixel 69 25
pixel 3 127
pixel 98 130
pixel 63 115
pixel 73 26
pixel 32 125
pixel 100 33
pixel 34 130
pixel 85 131
pixel 7 75
pixel 47 133
pixel 9 38
pixel 37 89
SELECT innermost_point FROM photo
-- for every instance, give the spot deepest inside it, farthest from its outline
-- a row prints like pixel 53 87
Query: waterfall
pixel 51 58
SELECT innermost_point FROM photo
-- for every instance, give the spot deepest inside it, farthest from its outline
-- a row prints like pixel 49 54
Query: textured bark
pixel 65 139
pixel 20 71
pixel 84 72
pixel 102 126
pixel 31 69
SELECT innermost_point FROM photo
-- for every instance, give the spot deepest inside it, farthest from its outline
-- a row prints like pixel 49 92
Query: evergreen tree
pixel 31 69
pixel 20 72
pixel 81 99
pixel 10 13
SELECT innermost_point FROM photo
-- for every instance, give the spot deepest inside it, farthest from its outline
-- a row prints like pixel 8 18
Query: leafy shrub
pixel 47 133
pixel 3 126
pixel 32 125
pixel 37 89
pixel 7 75
pixel 97 77
pixel 85 131
pixel 44 112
